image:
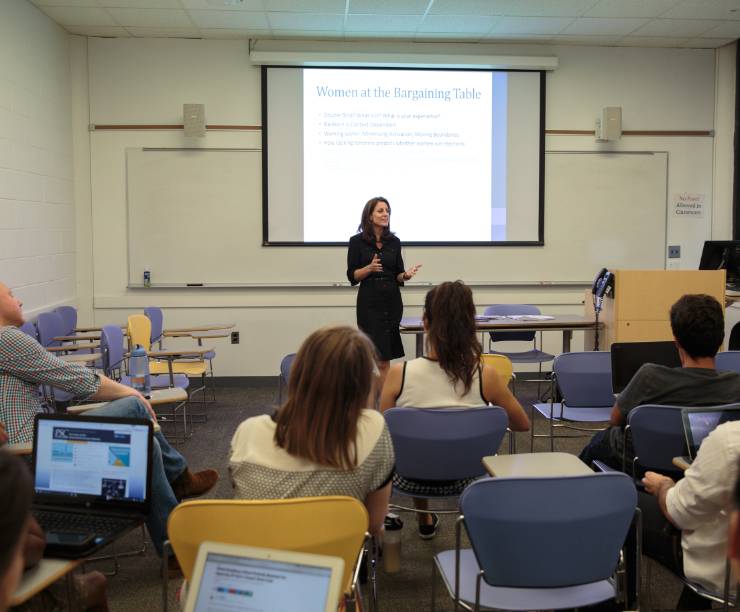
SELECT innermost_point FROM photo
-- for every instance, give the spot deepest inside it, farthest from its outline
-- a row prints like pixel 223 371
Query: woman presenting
pixel 374 260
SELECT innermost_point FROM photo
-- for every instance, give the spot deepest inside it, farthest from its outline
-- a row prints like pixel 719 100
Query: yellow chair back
pixel 139 331
pixel 501 363
pixel 333 525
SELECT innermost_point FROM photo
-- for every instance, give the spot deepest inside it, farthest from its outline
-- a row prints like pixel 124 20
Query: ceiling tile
pixel 223 5
pixel 593 41
pixel 314 35
pixel 531 25
pixel 677 28
pixel 378 36
pixel 595 26
pixel 382 24
pixel 630 8
pixel 105 31
pixel 69 15
pixel 232 33
pixel 64 2
pixel 464 7
pixel 230 20
pixel 726 29
pixel 545 8
pixel 140 32
pixel 306 6
pixel 455 24
pixel 305 21
pixel 387 7
pixel 648 41
pixel 439 37
pixel 152 18
pixel 705 9
pixel 519 38
pixel 708 43
pixel 152 4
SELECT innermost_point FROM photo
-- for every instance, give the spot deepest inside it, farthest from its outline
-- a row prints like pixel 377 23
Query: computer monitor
pixel 723 255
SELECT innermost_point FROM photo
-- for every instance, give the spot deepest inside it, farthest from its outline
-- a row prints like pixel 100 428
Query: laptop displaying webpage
pixel 231 584
pixel 704 422
pixel 107 460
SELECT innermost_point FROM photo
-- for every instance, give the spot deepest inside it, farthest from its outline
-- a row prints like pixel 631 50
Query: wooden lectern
pixel 639 309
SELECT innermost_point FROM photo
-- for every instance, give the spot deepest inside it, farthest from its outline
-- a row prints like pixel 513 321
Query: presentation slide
pixel 231 584
pixel 106 461
pixel 457 153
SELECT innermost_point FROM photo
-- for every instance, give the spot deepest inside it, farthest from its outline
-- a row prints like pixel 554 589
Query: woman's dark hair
pixel 15 506
pixel 366 226
pixel 329 385
pixel 449 312
pixel 698 324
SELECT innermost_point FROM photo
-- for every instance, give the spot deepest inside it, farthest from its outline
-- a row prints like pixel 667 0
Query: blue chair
pixel 285 365
pixel 728 361
pixel 540 543
pixel 533 356
pixel 69 317
pixel 585 383
pixel 29 329
pixel 443 444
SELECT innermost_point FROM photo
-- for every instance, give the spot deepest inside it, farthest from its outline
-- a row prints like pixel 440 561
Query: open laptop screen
pixel 698 423
pixel 92 459
pixel 628 357
pixel 235 583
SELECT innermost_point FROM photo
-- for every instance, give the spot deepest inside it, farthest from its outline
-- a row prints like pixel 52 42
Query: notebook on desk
pixel 628 357
pixel 698 423
pixel 234 578
pixel 92 480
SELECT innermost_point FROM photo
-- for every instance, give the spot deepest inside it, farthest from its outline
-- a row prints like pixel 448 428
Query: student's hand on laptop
pixel 3 434
pixel 654 482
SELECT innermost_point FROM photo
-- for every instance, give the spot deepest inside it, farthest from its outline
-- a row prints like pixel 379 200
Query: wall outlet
pixel 674 252
pixel 235 337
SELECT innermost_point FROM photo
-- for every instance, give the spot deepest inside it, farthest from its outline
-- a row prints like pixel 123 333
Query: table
pixel 80 357
pixel 535 464
pixel 564 323
pixel 76 338
pixel 37 578
pixel 187 331
pixel 73 347
pixel 158 397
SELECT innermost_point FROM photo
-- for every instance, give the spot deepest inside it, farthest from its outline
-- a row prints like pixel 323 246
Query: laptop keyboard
pixel 79 523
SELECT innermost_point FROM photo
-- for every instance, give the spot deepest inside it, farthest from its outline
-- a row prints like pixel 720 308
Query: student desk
pixel 37 578
pixel 563 323
pixel 177 332
pixel 680 463
pixel 159 397
pixel 80 357
pixel 535 464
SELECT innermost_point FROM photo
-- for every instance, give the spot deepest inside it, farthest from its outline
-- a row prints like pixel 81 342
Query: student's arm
pixel 391 387
pixel 497 392
pixel 616 418
pixel 3 435
pixel 110 390
pixel 377 507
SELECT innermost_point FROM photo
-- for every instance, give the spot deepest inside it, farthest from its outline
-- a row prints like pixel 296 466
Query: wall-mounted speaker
pixel 609 124
pixel 194 119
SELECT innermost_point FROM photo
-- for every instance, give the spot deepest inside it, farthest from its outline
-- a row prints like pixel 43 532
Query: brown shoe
pixel 189 484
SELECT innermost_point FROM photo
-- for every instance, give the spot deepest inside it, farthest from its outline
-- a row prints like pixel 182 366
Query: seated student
pixel 15 512
pixel 698 330
pixel 25 364
pixel 699 505
pixel 323 440
pixel 449 375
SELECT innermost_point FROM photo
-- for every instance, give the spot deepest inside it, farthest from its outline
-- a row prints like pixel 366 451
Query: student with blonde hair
pixel 324 440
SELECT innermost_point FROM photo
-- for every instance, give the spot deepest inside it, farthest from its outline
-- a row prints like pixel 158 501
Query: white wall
pixel 37 243
pixel 147 81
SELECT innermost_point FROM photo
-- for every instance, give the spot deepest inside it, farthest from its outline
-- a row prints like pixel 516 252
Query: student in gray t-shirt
pixel 697 323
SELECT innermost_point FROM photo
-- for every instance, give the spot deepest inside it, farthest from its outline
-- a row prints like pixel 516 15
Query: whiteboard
pixel 195 217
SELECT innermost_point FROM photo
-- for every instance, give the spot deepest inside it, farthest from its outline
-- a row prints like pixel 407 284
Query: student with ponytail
pixel 449 375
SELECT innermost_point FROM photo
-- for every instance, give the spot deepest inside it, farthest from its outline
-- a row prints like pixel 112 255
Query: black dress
pixel 379 305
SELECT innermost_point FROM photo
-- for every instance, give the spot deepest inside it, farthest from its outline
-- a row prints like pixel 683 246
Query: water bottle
pixel 139 369
pixel 392 543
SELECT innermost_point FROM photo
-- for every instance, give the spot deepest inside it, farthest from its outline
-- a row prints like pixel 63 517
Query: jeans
pixel 167 465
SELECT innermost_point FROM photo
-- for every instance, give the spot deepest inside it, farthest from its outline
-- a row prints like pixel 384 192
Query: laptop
pixel 628 357
pixel 92 480
pixel 244 578
pixel 698 423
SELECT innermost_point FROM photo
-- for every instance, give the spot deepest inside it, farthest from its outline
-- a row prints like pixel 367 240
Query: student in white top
pixel 699 505
pixel 450 375
pixel 324 440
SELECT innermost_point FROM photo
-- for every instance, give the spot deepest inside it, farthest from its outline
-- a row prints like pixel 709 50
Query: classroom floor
pixel 137 587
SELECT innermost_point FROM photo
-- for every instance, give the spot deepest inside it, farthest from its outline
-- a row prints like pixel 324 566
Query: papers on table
pixel 483 318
